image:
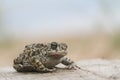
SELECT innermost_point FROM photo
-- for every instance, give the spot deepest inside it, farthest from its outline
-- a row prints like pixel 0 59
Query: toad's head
pixel 57 50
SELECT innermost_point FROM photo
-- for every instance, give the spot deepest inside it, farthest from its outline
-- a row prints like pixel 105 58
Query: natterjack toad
pixel 42 57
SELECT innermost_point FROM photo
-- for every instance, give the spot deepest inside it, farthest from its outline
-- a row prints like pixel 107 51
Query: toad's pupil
pixel 53 45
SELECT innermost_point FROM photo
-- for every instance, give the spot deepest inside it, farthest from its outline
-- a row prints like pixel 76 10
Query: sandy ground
pixel 96 69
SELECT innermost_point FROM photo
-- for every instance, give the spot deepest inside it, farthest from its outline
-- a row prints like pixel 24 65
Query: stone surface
pixel 97 69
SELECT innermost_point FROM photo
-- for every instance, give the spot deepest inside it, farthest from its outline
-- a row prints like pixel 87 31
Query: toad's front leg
pixel 36 63
pixel 69 63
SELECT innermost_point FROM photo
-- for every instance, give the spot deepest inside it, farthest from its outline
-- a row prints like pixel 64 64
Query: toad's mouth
pixel 57 54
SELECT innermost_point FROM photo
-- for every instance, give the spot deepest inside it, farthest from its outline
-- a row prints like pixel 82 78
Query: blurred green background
pixel 91 28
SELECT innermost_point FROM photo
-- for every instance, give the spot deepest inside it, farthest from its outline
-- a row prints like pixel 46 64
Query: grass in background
pixel 116 41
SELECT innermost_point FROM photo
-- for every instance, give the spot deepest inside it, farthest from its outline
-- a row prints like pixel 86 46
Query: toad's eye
pixel 54 45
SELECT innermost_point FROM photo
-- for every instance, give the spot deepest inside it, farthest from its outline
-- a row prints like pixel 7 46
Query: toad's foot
pixel 73 66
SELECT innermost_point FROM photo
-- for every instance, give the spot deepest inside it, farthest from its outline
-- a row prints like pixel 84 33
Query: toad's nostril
pixel 54 45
